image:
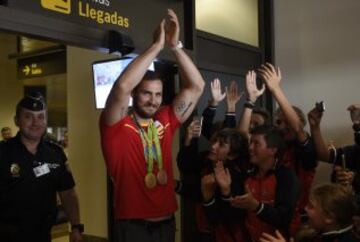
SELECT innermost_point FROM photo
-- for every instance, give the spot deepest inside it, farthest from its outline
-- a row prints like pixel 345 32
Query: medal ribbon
pixel 157 147
pixel 149 139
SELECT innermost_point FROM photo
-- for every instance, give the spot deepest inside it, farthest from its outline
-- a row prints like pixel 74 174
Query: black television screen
pixel 105 73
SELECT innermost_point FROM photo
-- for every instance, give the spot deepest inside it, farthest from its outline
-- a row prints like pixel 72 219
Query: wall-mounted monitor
pixel 105 73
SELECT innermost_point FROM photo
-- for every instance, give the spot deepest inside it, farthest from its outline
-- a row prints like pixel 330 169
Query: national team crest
pixel 15 170
pixel 160 129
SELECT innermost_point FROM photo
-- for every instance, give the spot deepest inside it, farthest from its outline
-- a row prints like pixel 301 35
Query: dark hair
pixel 149 76
pixel 239 144
pixel 216 127
pixel 299 113
pixel 5 129
pixel 272 136
pixel 264 113
pixel 337 202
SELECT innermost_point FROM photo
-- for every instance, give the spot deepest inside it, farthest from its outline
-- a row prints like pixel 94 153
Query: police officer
pixel 32 171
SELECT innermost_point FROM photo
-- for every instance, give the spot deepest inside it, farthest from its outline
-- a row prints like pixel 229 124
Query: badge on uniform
pixel 41 170
pixel 15 170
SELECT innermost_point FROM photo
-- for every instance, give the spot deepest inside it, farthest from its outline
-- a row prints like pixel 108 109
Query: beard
pixel 141 111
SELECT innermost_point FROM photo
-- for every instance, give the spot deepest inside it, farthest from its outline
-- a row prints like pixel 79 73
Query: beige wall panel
pixel 232 19
pixel 84 141
pixel 11 88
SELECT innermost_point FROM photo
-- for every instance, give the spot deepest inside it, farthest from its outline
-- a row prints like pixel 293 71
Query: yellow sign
pixel 26 70
pixel 62 6
pixel 33 70
pixel 102 17
pixel 88 11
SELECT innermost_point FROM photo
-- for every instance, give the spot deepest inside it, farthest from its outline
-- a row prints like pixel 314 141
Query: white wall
pixel 316 45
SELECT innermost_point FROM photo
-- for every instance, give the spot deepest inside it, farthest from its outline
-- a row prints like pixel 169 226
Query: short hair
pixel 299 113
pixel 5 129
pixel 149 76
pixel 264 113
pixel 216 127
pixel 336 201
pixel 239 144
pixel 272 136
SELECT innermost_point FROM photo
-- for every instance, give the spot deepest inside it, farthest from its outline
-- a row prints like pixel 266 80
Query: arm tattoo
pixel 181 108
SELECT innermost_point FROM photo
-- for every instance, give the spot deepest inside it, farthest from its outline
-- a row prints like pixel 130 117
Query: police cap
pixel 33 101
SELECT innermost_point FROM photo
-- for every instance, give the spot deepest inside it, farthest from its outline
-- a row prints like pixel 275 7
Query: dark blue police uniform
pixel 28 186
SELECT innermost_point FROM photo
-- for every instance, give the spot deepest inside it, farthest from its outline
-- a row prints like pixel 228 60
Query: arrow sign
pixel 26 70
pixel 42 65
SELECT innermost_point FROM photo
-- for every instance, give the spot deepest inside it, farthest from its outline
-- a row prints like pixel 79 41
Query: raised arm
pixel 188 157
pixel 322 151
pixel 210 111
pixel 117 103
pixel 272 78
pixel 354 110
pixel 252 94
pixel 355 118
pixel 192 81
pixel 232 97
pixel 216 94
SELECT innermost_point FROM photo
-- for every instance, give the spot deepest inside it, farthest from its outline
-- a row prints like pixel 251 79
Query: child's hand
pixel 269 238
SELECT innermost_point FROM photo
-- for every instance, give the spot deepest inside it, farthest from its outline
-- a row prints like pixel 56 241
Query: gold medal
pixel 162 177
pixel 150 181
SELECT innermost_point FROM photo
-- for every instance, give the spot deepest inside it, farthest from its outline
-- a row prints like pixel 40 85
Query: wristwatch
pixel 79 227
pixel 178 46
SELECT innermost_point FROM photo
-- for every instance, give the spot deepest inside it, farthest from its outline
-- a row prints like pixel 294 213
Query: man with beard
pixel 137 146
pixel 300 153
pixel 32 171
